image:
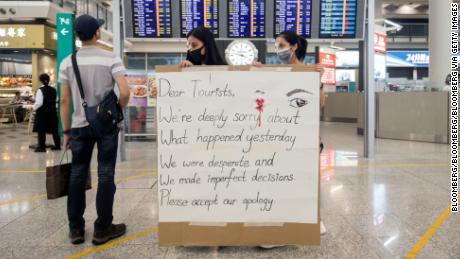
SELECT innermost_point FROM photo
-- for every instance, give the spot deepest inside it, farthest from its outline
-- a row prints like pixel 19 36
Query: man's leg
pixel 41 147
pixel 57 139
pixel 82 144
pixel 104 230
pixel 107 157
pixel 41 139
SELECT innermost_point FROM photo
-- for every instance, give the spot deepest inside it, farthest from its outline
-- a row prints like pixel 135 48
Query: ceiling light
pixel 333 46
pixel 12 11
pixel 392 26
pixel 392 7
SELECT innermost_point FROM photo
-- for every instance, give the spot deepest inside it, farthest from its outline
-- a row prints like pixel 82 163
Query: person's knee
pixel 106 174
pixel 79 174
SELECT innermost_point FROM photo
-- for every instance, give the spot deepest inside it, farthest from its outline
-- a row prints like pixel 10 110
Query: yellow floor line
pixel 396 165
pixel 43 195
pixel 31 198
pixel 113 243
pixel 134 177
pixel 428 234
pixel 121 170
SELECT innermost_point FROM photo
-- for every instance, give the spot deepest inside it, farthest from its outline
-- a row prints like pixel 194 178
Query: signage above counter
pixel 27 36
pixel 408 58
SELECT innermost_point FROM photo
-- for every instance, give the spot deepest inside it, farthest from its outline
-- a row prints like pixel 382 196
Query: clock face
pixel 241 52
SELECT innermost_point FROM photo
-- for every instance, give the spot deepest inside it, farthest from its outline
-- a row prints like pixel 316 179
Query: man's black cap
pixel 86 26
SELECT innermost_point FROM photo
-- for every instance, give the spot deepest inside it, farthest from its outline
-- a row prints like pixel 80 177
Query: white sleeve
pixel 38 100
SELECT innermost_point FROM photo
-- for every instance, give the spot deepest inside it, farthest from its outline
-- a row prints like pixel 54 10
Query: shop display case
pixel 10 84
pixel 140 113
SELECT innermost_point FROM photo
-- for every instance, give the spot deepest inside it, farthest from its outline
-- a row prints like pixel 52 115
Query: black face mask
pixel 195 56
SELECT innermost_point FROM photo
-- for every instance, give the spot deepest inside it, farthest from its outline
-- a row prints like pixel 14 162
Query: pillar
pixel 439 42
pixel 378 10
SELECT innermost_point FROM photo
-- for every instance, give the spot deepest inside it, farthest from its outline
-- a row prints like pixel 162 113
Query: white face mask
pixel 284 55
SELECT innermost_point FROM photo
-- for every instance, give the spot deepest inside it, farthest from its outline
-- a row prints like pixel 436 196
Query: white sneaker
pixel 270 246
pixel 322 228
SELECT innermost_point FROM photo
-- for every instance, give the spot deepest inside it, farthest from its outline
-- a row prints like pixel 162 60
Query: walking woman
pixel 46 120
pixel 202 49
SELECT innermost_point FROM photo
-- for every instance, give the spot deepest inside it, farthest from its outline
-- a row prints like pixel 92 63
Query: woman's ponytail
pixel 301 51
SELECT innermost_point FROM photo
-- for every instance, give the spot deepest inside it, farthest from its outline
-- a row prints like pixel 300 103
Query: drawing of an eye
pixel 297 102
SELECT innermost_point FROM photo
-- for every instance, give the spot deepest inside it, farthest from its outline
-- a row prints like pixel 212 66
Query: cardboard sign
pixel 238 151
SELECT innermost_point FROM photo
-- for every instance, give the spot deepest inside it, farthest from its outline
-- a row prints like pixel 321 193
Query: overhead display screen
pixel 196 13
pixel 293 15
pixel 246 18
pixel 152 18
pixel 338 18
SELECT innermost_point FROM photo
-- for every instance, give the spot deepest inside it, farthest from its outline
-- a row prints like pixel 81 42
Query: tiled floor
pixel 375 208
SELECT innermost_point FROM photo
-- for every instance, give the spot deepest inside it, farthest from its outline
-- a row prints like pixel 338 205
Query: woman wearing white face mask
pixel 291 49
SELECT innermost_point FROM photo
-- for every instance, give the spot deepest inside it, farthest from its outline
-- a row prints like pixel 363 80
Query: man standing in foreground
pixel 99 70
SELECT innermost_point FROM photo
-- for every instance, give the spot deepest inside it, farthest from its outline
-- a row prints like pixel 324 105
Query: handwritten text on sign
pixel 238 146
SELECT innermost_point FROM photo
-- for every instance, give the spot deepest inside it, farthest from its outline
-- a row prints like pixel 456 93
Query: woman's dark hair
pixel 45 79
pixel 293 39
pixel 212 56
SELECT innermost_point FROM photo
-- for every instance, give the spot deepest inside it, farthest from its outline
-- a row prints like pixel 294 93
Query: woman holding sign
pixel 291 49
pixel 202 49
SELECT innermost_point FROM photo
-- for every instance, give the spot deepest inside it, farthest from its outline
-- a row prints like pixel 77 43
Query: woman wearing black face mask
pixel 202 49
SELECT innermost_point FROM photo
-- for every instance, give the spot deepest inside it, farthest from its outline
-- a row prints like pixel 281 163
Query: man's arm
pixel 124 90
pixel 66 96
pixel 38 100
pixel 118 73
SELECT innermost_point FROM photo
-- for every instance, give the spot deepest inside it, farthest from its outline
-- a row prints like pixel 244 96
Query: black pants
pixel 19 112
pixel 82 143
pixel 42 138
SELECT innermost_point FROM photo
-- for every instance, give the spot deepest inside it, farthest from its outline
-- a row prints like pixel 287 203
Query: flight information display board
pixel 151 18
pixel 338 18
pixel 196 13
pixel 293 15
pixel 246 18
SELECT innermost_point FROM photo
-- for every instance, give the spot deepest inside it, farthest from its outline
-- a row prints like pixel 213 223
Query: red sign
pixel 327 59
pixel 380 42
pixel 328 77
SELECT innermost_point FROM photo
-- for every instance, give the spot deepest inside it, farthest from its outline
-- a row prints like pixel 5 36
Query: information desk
pixel 341 107
pixel 418 116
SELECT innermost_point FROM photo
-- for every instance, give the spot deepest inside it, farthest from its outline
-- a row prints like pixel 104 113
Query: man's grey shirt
pixel 98 70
